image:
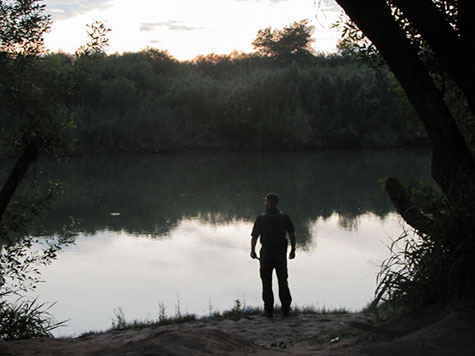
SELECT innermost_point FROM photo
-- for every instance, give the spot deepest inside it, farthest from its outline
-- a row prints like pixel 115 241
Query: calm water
pixel 174 229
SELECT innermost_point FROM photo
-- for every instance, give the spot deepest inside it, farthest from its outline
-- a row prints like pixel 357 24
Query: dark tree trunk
pixel 452 162
pixel 28 156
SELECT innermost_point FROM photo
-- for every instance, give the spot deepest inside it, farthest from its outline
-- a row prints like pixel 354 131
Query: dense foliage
pixel 149 102
pixel 22 25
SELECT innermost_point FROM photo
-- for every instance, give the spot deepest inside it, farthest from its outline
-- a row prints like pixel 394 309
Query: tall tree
pixel 422 41
pixel 292 41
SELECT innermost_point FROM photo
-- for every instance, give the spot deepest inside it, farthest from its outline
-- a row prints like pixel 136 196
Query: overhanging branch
pixel 28 156
pixel 404 206
pixel 442 38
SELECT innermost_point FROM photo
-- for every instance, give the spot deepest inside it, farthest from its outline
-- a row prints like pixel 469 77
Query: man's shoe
pixel 268 315
pixel 285 313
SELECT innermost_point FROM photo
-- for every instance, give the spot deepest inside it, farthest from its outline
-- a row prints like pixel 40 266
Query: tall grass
pixel 432 270
pixel 25 319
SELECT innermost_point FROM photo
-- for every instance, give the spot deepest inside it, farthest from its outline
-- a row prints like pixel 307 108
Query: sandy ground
pixel 320 335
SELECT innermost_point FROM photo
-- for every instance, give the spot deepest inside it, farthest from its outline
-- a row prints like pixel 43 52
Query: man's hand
pixel 292 255
pixel 253 255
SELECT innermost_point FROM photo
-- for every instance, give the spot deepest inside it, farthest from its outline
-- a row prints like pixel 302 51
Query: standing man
pixel 272 227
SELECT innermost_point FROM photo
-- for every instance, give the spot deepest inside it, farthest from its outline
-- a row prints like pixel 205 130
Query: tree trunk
pixel 28 156
pixel 452 162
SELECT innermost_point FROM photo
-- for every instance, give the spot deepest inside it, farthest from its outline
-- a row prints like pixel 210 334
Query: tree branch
pixel 449 48
pixel 28 156
pixel 406 208
pixel 466 24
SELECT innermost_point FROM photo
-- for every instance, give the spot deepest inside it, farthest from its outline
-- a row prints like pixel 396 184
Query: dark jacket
pixel 272 227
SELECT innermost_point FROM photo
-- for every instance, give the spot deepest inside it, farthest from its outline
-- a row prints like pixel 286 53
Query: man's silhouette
pixel 271 227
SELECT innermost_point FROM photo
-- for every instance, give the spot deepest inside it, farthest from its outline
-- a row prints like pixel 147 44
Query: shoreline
pixel 296 334
pixel 450 333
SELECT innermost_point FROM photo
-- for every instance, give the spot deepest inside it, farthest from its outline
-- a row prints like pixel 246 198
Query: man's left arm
pixel 292 245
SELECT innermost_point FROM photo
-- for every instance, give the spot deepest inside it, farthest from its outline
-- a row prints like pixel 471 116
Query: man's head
pixel 271 201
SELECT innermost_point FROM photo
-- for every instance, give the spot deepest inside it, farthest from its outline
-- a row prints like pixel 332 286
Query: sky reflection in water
pixel 201 264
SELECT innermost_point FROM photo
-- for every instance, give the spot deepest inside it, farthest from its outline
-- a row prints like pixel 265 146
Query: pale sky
pixel 186 28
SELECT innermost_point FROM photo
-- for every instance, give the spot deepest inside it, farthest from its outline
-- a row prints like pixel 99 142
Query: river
pixel 172 232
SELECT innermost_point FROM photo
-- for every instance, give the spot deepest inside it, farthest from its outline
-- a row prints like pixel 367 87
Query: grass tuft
pixel 26 319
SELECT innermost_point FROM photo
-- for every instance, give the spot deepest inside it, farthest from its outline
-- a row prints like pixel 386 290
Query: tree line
pixel 150 102
pixel 283 96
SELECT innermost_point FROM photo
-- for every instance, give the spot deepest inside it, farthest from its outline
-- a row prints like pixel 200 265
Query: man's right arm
pixel 256 231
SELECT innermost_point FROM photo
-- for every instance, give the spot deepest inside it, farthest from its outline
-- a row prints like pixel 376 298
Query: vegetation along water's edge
pixel 148 102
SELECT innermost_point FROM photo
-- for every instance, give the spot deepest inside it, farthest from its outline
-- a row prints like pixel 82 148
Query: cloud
pixel 330 5
pixel 170 25
pixel 64 9
pixel 269 1
pixel 327 5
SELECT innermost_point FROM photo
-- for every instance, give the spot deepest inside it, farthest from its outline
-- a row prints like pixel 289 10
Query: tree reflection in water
pixel 149 195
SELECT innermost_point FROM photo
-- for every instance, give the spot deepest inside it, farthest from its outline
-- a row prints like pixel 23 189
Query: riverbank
pixel 305 334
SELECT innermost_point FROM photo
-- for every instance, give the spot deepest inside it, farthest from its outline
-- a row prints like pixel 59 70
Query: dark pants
pixel 278 261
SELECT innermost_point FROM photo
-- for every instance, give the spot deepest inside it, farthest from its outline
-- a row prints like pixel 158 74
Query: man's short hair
pixel 273 198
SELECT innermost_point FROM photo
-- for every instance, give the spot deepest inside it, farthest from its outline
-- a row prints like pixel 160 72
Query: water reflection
pixel 151 195
pixel 205 265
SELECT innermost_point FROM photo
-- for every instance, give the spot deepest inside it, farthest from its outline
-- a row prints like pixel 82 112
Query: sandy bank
pixel 330 335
